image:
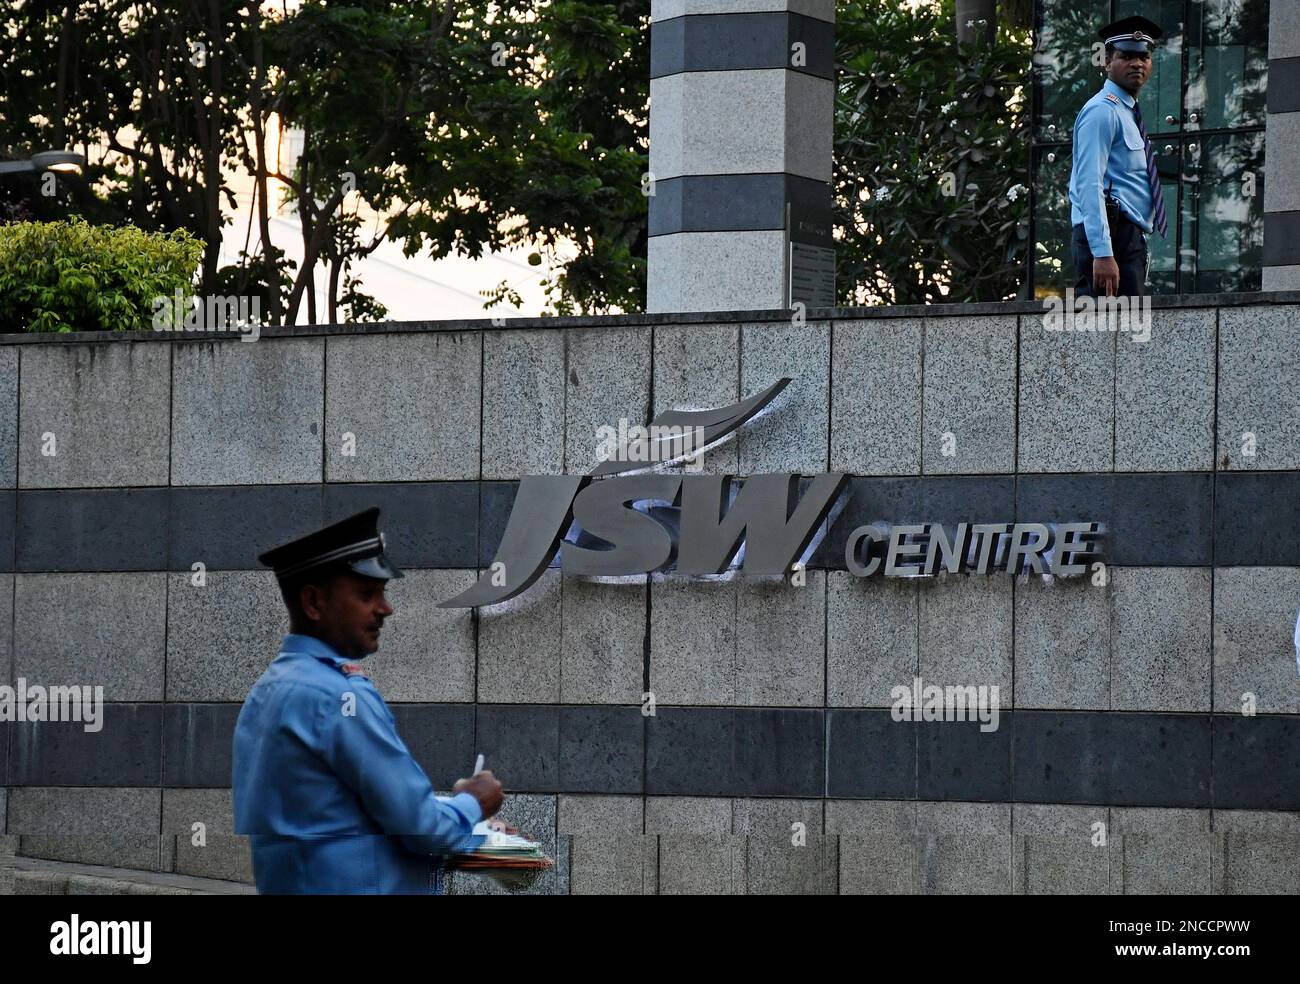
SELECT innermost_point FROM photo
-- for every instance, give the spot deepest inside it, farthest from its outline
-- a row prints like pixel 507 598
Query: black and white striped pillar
pixel 1282 149
pixel 741 119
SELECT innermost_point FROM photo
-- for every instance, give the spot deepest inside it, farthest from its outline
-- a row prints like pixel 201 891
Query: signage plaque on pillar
pixel 811 267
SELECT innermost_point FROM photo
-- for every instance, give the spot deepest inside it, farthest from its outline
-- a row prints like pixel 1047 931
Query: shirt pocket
pixel 1137 150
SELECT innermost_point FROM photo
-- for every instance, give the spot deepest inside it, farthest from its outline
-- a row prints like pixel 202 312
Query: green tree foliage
pixel 931 157
pixel 74 276
pixel 448 127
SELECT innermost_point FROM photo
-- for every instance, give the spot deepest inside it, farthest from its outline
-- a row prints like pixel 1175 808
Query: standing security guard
pixel 1115 196
pixel 328 791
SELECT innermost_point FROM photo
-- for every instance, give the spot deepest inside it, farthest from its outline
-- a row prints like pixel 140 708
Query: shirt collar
pixel 311 646
pixel 1125 97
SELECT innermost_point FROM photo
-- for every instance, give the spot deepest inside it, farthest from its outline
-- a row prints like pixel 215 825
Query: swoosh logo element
pixel 716 424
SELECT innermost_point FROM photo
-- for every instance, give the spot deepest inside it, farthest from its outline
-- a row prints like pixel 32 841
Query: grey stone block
pixel 40 883
pixel 786 851
pixel 1168 863
pixel 1159 821
pixel 965 632
pixel 9 417
pixel 741 122
pixel 610 855
pixel 1160 646
pixel 90 530
pixel 608 380
pixel 535 818
pixel 212 850
pixel 780 642
pixel 1281 277
pixel 113 636
pixel 716 271
pixel 1255 612
pixel 519 646
pixel 1283 31
pixel 1282 187
pixel 523 403
pixel 115 826
pixel 1063 644
pixel 877 846
pixel 1258 863
pixel 1061 428
pixel 967 819
pixel 119 745
pixel 1256 821
pixel 223 635
pixel 426 653
pixel 248 413
pixel 1164 394
pixel 90 885
pixel 964 864
pixel 1047 865
pixel 602 648
pixel 876 396
pixel 1259 403
pixel 697 853
pixel 198 744
pixel 969 391
pixel 693 640
pixel 1060 850
pixel 601 749
pixel 666 9
pixel 7 628
pixel 107 407
pixel 697 367
pixel 872 642
pixel 227 528
pixel 411 403
pixel 791 434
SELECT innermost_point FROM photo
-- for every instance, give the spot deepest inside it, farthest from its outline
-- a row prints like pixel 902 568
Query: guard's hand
pixel 1105 275
pixel 484 788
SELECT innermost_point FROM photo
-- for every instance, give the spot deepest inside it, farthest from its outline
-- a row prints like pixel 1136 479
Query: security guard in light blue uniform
pixel 327 790
pixel 1115 195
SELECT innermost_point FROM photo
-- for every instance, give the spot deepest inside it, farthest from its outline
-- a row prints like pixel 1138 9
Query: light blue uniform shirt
pixel 1109 155
pixel 333 801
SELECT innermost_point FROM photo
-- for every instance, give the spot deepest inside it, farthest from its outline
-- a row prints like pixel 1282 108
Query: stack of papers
pixel 502 850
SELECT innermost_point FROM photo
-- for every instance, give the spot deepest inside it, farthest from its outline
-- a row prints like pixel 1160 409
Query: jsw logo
pixel 625 524
pixel 697 524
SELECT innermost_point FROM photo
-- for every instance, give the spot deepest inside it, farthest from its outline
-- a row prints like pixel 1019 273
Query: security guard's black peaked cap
pixel 353 544
pixel 1131 34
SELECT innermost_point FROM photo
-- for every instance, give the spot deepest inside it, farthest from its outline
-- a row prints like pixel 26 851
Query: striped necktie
pixel 1153 176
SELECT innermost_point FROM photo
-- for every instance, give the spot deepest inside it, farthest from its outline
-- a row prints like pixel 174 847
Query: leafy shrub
pixel 73 276
pixel 931 157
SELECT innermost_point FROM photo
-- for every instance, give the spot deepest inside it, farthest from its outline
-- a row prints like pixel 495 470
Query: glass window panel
pixel 1223 213
pixel 1162 96
pixel 1227 63
pixel 1064 76
pixel 1053 265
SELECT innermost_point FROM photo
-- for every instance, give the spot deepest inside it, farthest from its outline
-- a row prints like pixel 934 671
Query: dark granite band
pixel 737 42
pixel 1181 519
pixel 1284 85
pixel 1281 238
pixel 732 202
pixel 1088 757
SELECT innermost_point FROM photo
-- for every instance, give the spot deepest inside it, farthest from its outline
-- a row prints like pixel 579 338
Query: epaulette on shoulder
pixel 353 670
pixel 1112 97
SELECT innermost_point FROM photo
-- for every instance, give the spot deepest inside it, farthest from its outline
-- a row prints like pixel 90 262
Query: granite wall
pixel 1122 763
